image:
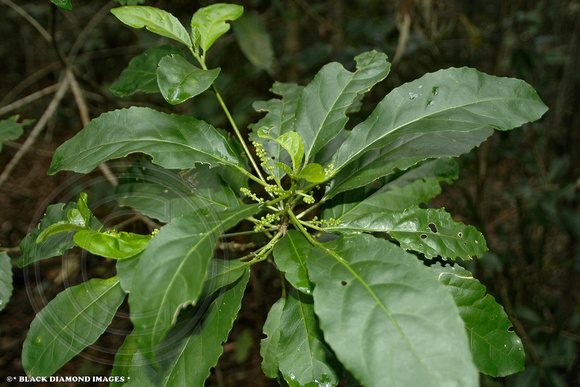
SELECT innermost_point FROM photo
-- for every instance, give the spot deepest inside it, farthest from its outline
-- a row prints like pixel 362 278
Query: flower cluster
pixel 251 195
pixel 266 221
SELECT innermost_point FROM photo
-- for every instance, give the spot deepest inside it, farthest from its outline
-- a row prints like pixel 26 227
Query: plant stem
pixel 299 226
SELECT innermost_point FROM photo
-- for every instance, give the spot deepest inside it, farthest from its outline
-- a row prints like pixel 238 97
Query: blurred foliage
pixel 524 196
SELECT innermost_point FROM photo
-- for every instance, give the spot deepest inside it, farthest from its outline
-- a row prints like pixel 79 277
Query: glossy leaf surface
pixel 112 244
pixel 497 350
pixel 290 257
pixel 141 73
pixel 303 356
pixel 156 20
pixel 10 129
pixel 321 114
pixel 412 187
pixel 254 41
pixel 209 23
pixel 388 320
pixel 5 279
pixel 269 345
pixel 179 80
pixel 166 194
pixel 452 100
pixel 194 344
pixel 73 320
pixel 173 141
pixel 171 270
pixel 33 251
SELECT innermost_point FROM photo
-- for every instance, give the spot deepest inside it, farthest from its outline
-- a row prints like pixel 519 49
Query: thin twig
pixel 30 19
pixel 36 76
pixel 28 99
pixel 64 86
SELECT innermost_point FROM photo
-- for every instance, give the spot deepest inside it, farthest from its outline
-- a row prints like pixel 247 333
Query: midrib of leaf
pixel 67 325
pixel 378 301
pixel 207 234
pixel 368 146
pixel 300 304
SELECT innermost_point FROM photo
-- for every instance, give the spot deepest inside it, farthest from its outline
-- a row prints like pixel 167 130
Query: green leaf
pixel 62 3
pixel 452 100
pixel 179 80
pixel 12 130
pixel 406 152
pixel 125 271
pixel 141 73
pixel 156 20
pixel 290 256
pixel 130 2
pixel 112 243
pixel 194 344
pixel 63 226
pixel 83 209
pixel 429 231
pixel 166 194
pixel 171 270
pixel 34 250
pixel 173 141
pixel 254 41
pixel 497 350
pixel 291 142
pixel 269 345
pixel 412 187
pixel 303 356
pixel 73 320
pixel 312 173
pixel 124 359
pixel 5 279
pixel 209 23
pixel 280 120
pixel 321 113
pixel 388 320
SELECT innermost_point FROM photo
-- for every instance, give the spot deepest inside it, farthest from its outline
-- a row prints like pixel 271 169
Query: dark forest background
pixel 520 188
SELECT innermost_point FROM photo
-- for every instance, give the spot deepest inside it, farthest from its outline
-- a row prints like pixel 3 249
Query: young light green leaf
pixel 141 73
pixel 63 226
pixel 290 141
pixel 83 209
pixel 452 100
pixel 179 80
pixel 112 243
pixel 173 141
pixel 388 320
pixel 62 4
pixel 321 113
pixel 403 154
pixel 269 345
pixel 497 350
pixel 34 250
pixel 171 270
pixel 413 187
pixel 313 173
pixel 429 231
pixel 254 41
pixel 303 356
pixel 280 120
pixel 194 344
pixel 209 23
pixel 73 320
pixel 5 279
pixel 166 194
pixel 290 255
pixel 10 129
pixel 156 20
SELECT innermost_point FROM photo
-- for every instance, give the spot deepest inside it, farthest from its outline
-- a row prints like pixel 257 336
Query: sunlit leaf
pixel 173 141
pixel 497 350
pixel 209 23
pixel 171 270
pixel 112 244
pixel 72 321
pixel 155 20
pixel 388 320
pixel 179 80
pixel 313 173
pixel 5 279
pixel 141 74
